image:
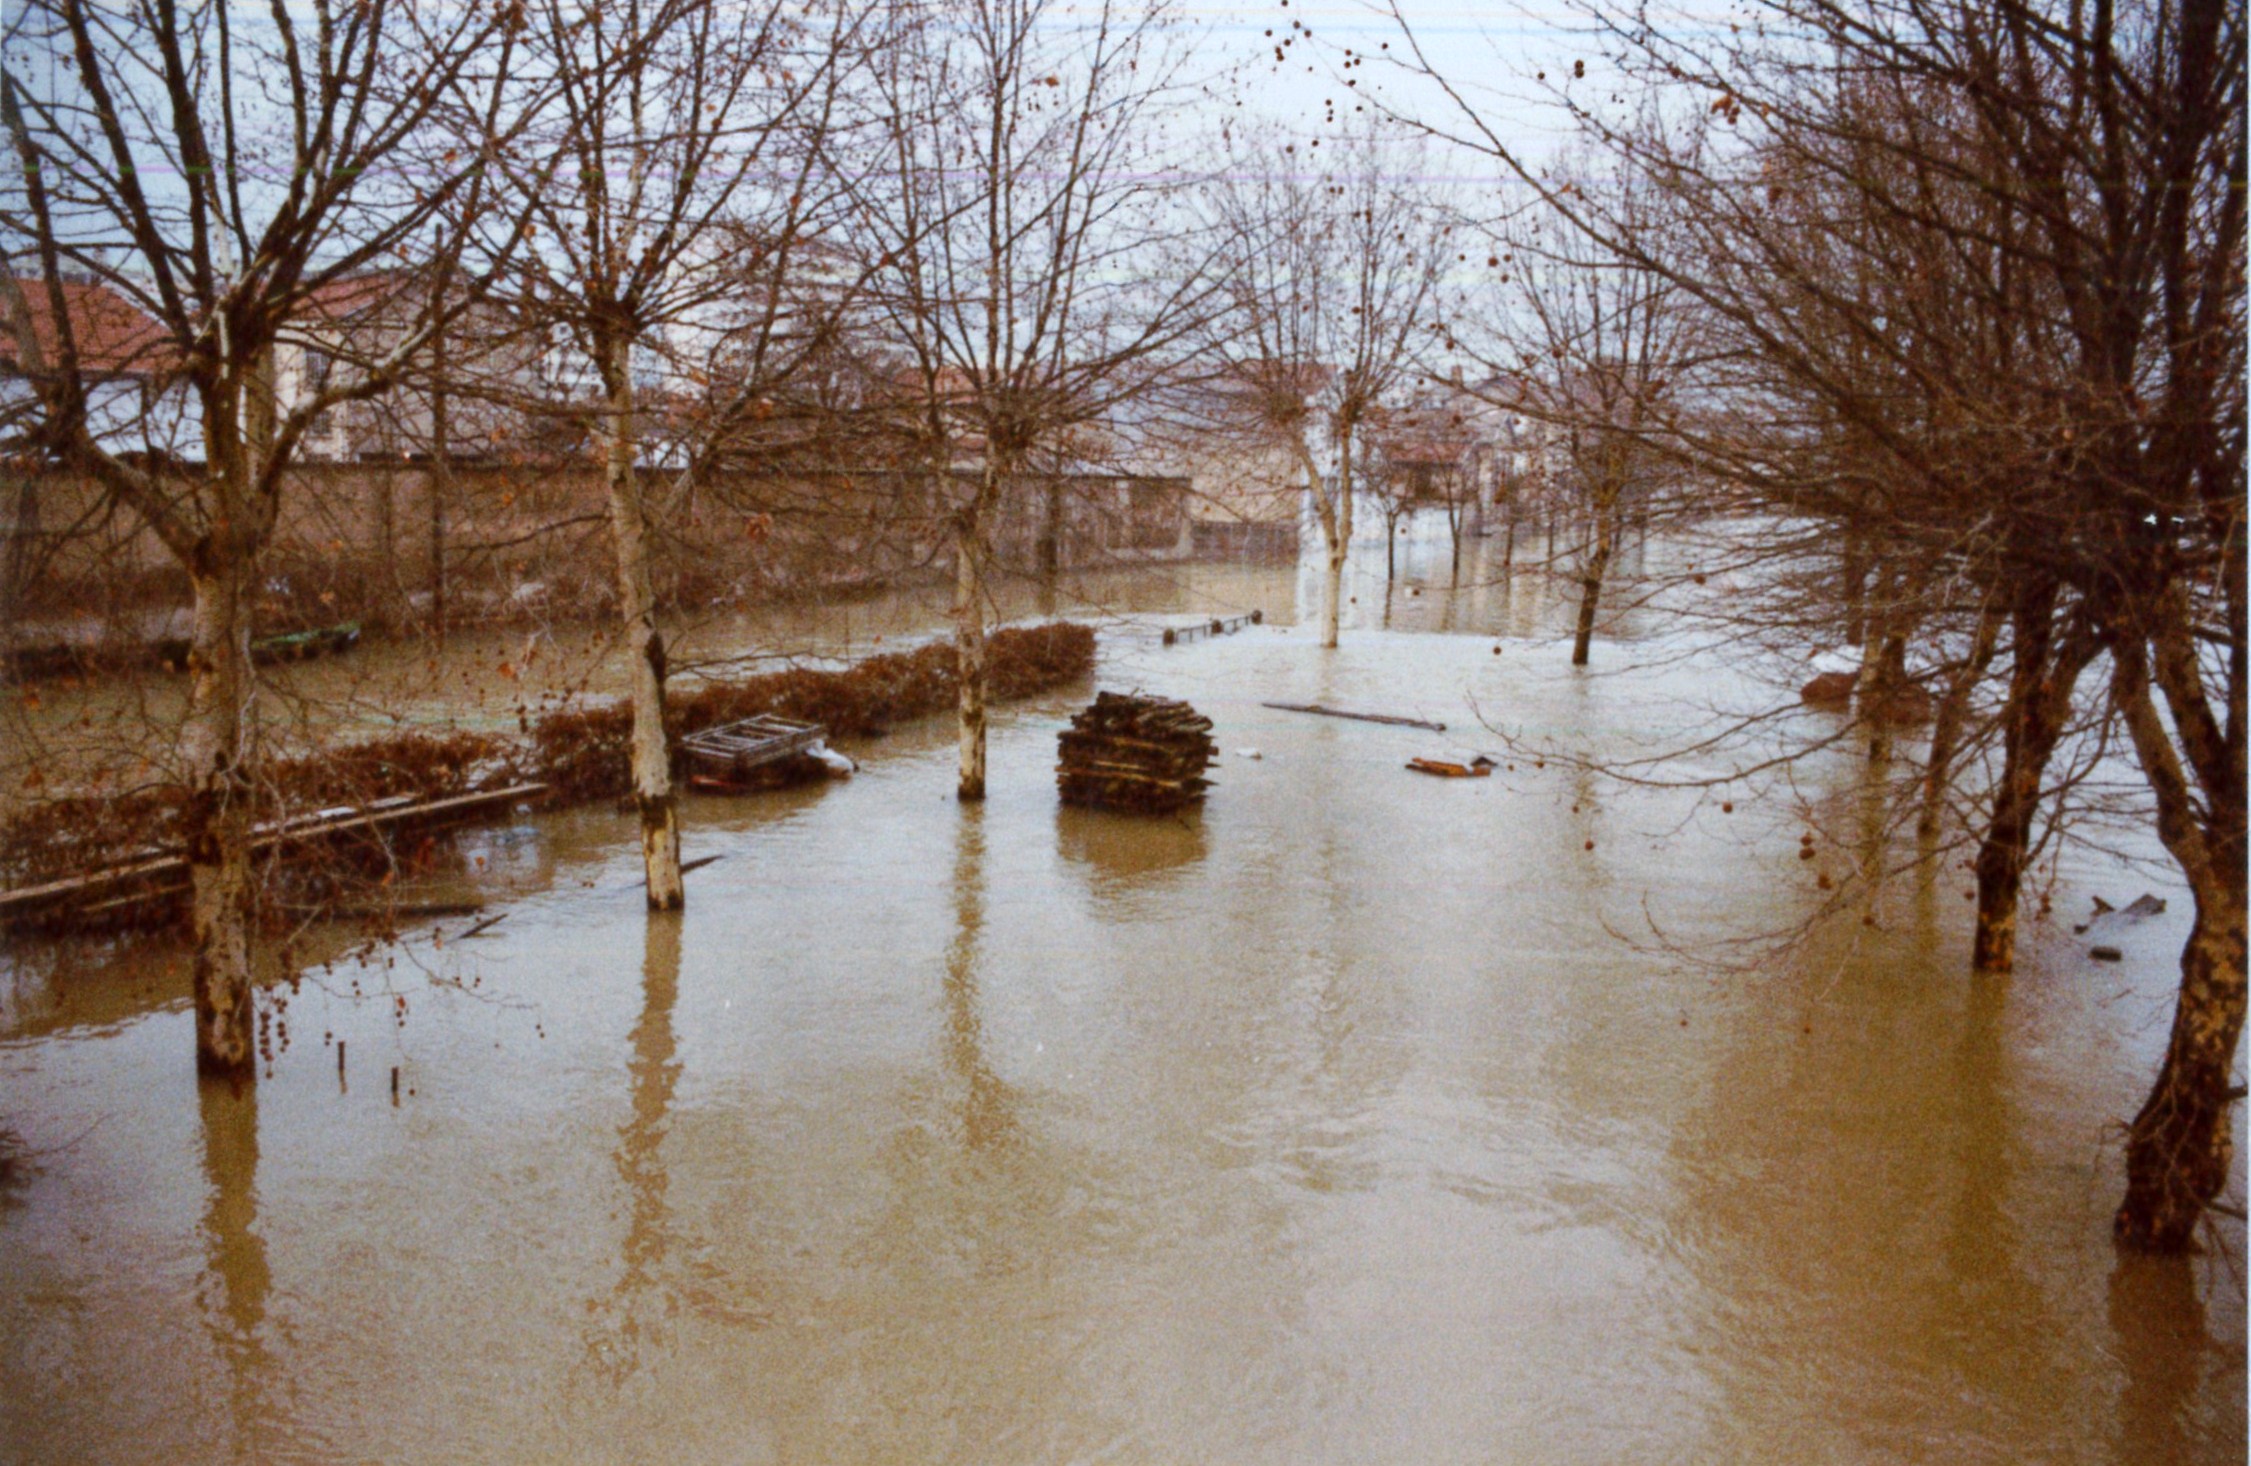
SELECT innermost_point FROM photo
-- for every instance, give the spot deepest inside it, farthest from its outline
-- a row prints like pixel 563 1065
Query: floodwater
pixel 1359 1118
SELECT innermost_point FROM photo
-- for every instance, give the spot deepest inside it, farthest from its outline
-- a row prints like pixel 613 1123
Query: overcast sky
pixel 1492 53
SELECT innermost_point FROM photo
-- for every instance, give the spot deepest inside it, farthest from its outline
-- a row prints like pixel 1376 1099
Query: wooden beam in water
pixel 1314 707
pixel 327 824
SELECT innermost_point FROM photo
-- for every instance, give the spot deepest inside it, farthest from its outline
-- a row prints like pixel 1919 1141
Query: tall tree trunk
pixel 217 737
pixel 637 608
pixel 1883 664
pixel 969 648
pixel 441 488
pixel 2041 682
pixel 1953 709
pixel 1335 518
pixel 1051 534
pixel 1855 588
pixel 19 506
pixel 2180 1148
pixel 215 746
pixel 1332 587
pixel 1590 588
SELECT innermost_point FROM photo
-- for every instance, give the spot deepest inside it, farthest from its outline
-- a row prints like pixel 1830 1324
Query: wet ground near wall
pixel 1353 1119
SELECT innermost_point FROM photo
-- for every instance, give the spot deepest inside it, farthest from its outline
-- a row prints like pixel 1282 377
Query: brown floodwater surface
pixel 1358 1118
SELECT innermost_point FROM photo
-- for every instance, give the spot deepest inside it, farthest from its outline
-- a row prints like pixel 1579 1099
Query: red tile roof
pixel 349 295
pixel 111 333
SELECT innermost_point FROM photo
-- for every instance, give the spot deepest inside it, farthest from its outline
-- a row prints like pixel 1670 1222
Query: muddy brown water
pixel 1356 1119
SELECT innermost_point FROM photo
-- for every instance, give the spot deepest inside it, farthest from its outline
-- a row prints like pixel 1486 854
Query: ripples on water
pixel 1333 1124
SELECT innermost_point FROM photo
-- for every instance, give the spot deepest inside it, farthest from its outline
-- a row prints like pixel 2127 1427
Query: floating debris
pixel 1903 705
pixel 1480 767
pixel 1830 689
pixel 2140 909
pixel 751 754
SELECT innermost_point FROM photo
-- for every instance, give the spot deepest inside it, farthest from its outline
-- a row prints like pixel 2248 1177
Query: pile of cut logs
pixel 1143 754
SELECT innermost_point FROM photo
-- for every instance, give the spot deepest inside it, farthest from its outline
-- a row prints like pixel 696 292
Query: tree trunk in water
pixel 969 653
pixel 1590 593
pixel 2040 689
pixel 1051 536
pixel 215 745
pixel 1856 578
pixel 651 751
pixel 1883 678
pixel 1332 587
pixel 1336 534
pixel 1946 726
pixel 2180 1147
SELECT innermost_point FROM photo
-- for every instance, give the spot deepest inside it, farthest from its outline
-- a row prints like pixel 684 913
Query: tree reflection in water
pixel 616 1329
pixel 2157 1313
pixel 988 1120
pixel 237 1280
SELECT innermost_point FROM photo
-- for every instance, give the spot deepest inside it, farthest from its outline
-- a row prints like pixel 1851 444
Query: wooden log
pixel 1326 712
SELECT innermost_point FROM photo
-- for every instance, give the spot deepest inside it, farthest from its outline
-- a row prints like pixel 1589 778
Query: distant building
pixel 491 369
pixel 137 402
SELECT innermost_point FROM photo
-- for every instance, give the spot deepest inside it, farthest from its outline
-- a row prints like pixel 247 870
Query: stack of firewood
pixel 1143 754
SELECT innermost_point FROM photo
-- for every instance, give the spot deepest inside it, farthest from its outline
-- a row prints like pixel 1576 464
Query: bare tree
pixel 1333 275
pixel 696 138
pixel 1030 269
pixel 218 170
pixel 1590 345
pixel 2021 322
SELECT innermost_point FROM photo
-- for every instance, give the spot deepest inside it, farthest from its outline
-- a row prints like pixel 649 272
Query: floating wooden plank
pixel 126 883
pixel 1327 712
